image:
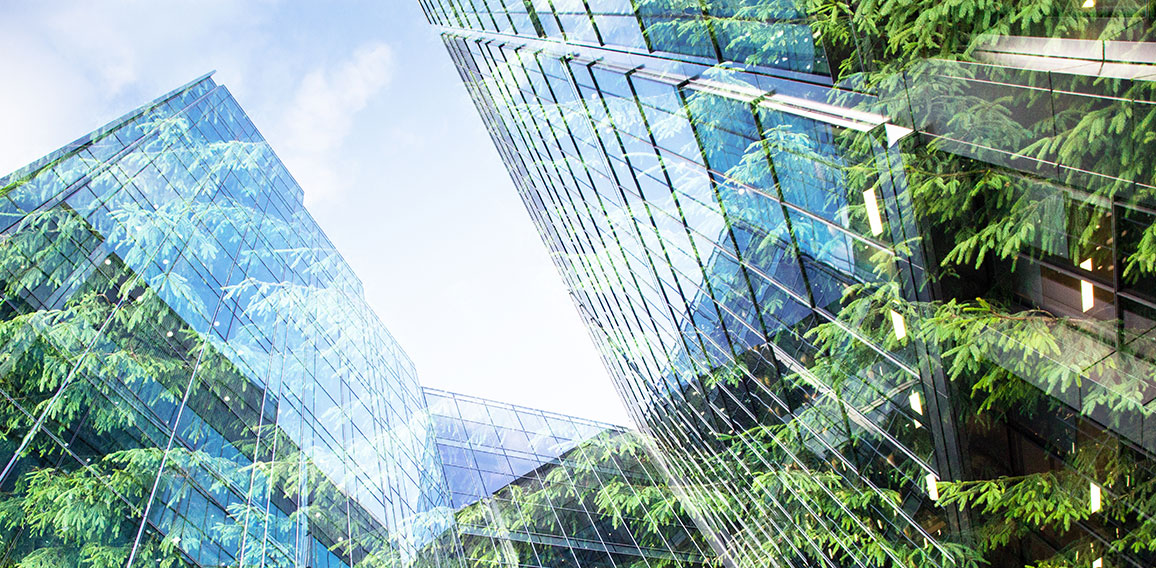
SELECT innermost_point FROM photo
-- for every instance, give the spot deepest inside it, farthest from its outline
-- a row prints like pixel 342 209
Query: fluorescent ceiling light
pixel 1089 4
pixel 1094 503
pixel 932 490
pixel 1087 291
pixel 899 325
pixel 916 403
pixel 873 212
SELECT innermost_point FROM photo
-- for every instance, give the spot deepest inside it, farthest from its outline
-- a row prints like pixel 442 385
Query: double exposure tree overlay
pixel 1087 374
pixel 132 430
pixel 1018 183
pixel 605 490
pixel 1008 360
pixel 54 511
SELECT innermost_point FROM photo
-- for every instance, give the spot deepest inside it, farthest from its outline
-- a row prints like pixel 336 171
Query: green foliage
pixel 981 209
pixel 1023 504
pixel 1010 360
pixel 95 360
pixel 609 475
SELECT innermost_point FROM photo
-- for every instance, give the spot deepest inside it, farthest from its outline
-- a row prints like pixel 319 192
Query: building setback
pixel 880 290
pixel 535 488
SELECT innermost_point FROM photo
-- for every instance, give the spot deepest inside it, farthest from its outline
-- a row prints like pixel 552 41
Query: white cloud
pixel 321 116
pixel 82 64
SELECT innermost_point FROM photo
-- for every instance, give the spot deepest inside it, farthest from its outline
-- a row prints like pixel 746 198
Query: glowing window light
pixel 899 325
pixel 1089 4
pixel 873 217
pixel 932 490
pixel 1099 562
pixel 1094 503
pixel 1086 289
pixel 916 403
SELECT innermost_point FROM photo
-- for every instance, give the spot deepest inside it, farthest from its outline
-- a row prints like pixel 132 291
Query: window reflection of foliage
pixel 97 344
pixel 1084 127
pixel 993 345
pixel 772 33
pixel 70 363
pixel 1014 361
pixel 1001 355
pixel 611 477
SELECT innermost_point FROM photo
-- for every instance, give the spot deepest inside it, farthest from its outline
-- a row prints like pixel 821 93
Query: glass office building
pixel 534 488
pixel 190 374
pixel 848 298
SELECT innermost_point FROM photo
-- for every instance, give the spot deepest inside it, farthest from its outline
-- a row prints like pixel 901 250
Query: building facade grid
pixel 535 488
pixel 185 349
pixel 736 226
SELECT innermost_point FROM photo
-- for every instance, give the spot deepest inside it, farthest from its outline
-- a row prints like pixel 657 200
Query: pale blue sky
pixel 362 103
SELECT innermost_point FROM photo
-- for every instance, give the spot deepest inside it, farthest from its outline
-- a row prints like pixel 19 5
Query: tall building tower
pixel 877 279
pixel 189 373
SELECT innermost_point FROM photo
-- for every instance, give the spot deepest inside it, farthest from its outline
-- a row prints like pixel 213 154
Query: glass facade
pixel 870 314
pixel 190 374
pixel 534 488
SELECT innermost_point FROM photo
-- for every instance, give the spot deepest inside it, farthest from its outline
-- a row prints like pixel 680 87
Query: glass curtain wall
pixel 877 280
pixel 534 488
pixel 190 374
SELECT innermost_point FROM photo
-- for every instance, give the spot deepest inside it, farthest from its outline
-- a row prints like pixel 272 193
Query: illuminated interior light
pixel 1086 289
pixel 108 261
pixel 899 325
pixel 916 403
pixel 1094 503
pixel 932 490
pixel 169 334
pixel 1089 4
pixel 1099 562
pixel 226 399
pixel 873 212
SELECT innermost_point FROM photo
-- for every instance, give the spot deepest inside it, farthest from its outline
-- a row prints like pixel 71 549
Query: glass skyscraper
pixel 189 373
pixel 874 279
pixel 191 377
pixel 534 488
pixel 877 280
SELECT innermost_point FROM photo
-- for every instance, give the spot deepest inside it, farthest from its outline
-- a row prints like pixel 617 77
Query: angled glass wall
pixel 534 488
pixel 868 275
pixel 189 373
